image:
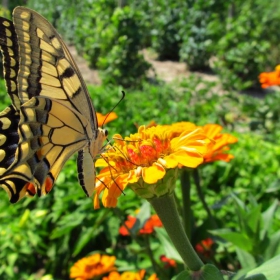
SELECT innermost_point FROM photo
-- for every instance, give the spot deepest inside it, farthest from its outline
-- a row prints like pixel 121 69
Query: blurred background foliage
pixel 235 40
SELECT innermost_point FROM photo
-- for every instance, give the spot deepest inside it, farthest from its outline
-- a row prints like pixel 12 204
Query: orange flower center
pixel 147 154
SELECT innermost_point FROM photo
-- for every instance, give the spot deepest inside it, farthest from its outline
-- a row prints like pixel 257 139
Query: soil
pixel 167 71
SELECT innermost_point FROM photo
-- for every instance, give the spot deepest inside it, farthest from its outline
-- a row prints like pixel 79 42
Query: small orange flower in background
pixel 129 276
pixel 268 79
pixel 148 227
pixel 204 247
pixel 147 160
pixel 103 119
pixel 168 262
pixel 218 150
pixel 92 266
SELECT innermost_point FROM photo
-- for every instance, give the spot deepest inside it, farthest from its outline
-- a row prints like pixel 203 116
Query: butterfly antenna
pixel 122 98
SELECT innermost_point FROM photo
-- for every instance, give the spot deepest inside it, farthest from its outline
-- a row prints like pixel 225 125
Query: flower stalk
pixel 166 208
pixel 186 197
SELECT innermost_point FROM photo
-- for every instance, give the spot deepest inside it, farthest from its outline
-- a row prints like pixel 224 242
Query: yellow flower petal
pixel 188 159
pixel 153 173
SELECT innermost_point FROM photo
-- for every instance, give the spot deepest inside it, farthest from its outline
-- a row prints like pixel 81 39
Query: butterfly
pixel 52 112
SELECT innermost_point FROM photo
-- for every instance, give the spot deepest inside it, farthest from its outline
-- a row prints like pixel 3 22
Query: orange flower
pixel 168 262
pixel 146 161
pixel 92 266
pixel 148 227
pixel 218 150
pixel 125 275
pixel 219 146
pixel 268 79
pixel 204 247
pixel 103 119
pixel 153 277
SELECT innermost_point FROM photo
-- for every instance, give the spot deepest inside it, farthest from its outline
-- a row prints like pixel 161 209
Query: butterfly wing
pixel 9 49
pixel 46 67
pixel 47 70
pixel 50 132
pixel 9 118
pixel 9 138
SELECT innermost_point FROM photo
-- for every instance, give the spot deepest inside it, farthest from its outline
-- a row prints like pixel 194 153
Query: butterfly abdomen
pixel 86 171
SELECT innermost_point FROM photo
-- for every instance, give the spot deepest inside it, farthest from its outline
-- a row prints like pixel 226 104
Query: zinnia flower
pixel 129 276
pixel 148 161
pixel 268 79
pixel 148 227
pixel 218 151
pixel 219 148
pixel 168 262
pixel 103 119
pixel 92 266
pixel 204 247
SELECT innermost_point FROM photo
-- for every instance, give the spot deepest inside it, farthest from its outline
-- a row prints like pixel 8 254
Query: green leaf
pixel 240 210
pixel 85 236
pixel 253 221
pixel 211 272
pixel 207 272
pixel 246 260
pixel 144 214
pixel 268 218
pixel 238 239
pixel 168 246
pixel 273 247
pixel 185 275
pixel 269 269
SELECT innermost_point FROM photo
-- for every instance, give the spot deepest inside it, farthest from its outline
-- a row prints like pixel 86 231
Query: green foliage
pixel 164 16
pixel 88 40
pixel 120 60
pixel 41 232
pixel 252 235
pixel 110 37
pixel 63 15
pixel 113 44
pixel 196 30
pixel 244 50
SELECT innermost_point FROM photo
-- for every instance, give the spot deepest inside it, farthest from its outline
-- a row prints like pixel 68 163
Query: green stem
pixel 186 195
pixel 202 199
pixel 166 209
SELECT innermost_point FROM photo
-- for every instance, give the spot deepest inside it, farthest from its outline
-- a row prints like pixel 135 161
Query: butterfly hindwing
pixel 9 138
pixel 50 132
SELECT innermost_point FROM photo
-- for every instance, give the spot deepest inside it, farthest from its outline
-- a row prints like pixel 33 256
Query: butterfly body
pixel 57 117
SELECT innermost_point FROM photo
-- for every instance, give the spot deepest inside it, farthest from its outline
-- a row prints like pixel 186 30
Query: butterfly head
pixel 96 145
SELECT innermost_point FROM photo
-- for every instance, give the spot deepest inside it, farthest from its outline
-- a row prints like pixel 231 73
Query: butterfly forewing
pixel 9 48
pixel 47 68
